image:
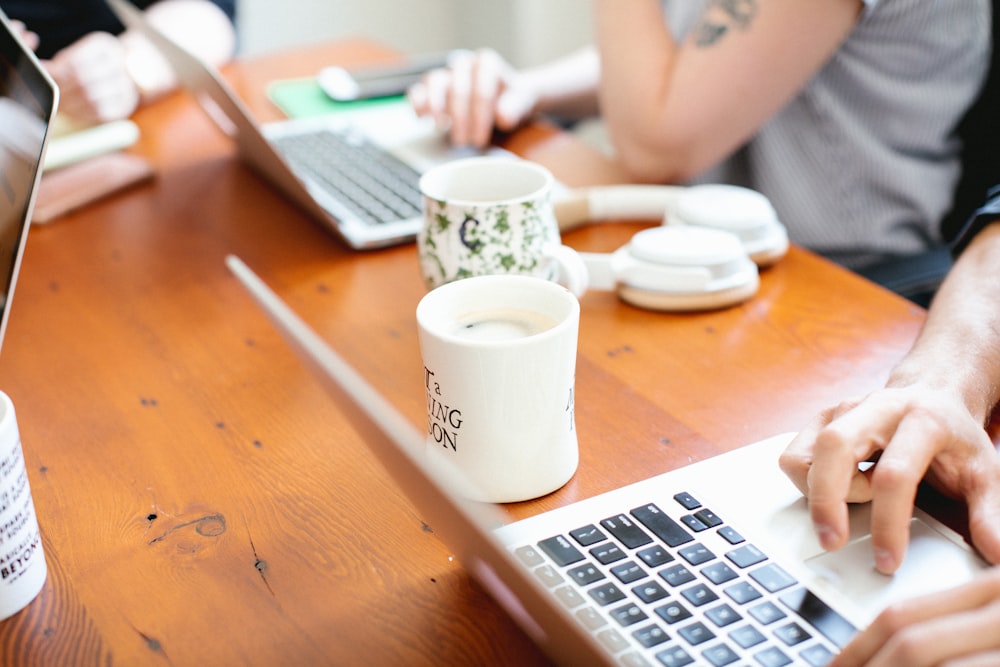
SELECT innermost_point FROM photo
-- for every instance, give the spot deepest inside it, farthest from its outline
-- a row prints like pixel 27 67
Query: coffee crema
pixel 500 325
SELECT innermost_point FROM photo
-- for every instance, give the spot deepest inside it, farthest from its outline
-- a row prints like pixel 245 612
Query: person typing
pixel 927 423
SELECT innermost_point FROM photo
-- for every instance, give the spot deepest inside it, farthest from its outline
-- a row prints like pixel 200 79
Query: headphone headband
pixel 705 254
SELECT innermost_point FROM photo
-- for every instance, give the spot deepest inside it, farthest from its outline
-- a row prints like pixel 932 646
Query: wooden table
pixel 201 500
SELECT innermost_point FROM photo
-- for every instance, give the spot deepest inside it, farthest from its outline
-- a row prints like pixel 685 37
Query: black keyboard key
pixel 655 555
pixel 723 615
pixel 819 615
pixel 672 612
pixel 792 634
pixel 708 517
pixel 585 574
pixel 747 636
pixel 628 615
pixel 696 633
pixel 676 575
pixel 560 550
pixel 693 523
pixel 817 655
pixel 699 595
pixel 628 572
pixel 626 531
pixel 772 578
pixel 772 657
pixel 607 553
pixel 742 592
pixel 767 613
pixel 719 656
pixel 588 535
pixel 746 556
pixel 650 591
pixel 529 555
pixel 674 656
pixel 696 554
pixel 730 535
pixel 687 501
pixel 718 572
pixel 666 529
pixel 605 594
pixel 651 635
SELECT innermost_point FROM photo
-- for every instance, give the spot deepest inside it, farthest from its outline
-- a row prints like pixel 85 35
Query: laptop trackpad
pixel 851 570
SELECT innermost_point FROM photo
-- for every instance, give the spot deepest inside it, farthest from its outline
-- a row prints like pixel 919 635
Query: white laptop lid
pixel 745 485
pixel 28 100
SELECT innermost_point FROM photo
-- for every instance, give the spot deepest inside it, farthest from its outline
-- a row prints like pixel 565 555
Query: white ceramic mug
pixel 499 357
pixel 493 215
pixel 22 561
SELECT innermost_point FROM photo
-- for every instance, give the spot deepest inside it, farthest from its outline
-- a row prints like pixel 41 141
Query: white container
pixel 22 561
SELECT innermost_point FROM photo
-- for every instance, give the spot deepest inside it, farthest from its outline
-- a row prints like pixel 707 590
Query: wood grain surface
pixel 201 500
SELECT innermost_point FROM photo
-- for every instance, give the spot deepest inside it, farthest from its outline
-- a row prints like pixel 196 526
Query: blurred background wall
pixel 526 32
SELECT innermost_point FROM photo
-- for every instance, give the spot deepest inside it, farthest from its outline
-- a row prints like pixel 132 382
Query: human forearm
pixel 958 349
pixel 637 54
pixel 567 86
pixel 676 105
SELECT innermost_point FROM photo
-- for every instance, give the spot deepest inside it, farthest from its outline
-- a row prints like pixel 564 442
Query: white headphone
pixel 704 256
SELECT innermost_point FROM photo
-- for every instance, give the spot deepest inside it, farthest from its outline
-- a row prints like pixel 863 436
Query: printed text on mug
pixel 443 421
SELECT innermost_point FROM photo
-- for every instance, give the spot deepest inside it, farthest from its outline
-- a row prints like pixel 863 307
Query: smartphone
pixel 349 84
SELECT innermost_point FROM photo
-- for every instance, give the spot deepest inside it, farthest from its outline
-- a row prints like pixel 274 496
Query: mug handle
pixel 573 273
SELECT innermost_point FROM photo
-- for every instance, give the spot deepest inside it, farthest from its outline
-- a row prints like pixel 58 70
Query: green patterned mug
pixel 493 215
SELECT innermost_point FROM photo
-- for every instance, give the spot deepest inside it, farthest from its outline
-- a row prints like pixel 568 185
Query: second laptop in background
pixel 355 172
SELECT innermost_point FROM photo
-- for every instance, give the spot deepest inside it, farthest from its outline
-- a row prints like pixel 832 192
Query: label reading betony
pixel 443 421
pixel 19 537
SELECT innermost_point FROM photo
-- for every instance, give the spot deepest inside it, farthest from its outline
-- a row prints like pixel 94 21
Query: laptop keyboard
pixel 684 588
pixel 375 185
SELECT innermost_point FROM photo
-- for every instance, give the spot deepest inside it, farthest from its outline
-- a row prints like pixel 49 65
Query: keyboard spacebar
pixel 818 614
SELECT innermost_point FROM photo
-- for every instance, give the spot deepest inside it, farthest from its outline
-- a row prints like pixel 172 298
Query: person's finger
pixel 947 638
pixel 984 508
pixel 894 481
pixel 834 479
pixel 898 627
pixel 981 659
pixel 855 435
pixel 435 86
pixel 458 98
pixel 486 85
pixel 797 457
pixel 416 94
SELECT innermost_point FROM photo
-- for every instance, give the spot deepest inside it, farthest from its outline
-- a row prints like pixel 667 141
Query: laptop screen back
pixel 27 103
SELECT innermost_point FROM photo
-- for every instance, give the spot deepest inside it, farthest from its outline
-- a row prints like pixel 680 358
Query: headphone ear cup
pixel 679 303
pixel 741 211
pixel 678 268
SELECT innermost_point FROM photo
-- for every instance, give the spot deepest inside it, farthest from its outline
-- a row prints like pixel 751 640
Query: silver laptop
pixel 714 563
pixel 355 172
pixel 28 100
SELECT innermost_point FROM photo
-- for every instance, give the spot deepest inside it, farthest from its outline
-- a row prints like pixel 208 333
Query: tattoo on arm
pixel 722 17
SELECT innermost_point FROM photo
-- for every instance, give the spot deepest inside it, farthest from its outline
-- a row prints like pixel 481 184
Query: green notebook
pixel 302 98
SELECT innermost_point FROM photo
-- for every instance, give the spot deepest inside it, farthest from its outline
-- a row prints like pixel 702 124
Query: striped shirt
pixel 864 161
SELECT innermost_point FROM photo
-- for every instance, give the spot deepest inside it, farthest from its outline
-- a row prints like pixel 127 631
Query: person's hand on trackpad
pixel 912 433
